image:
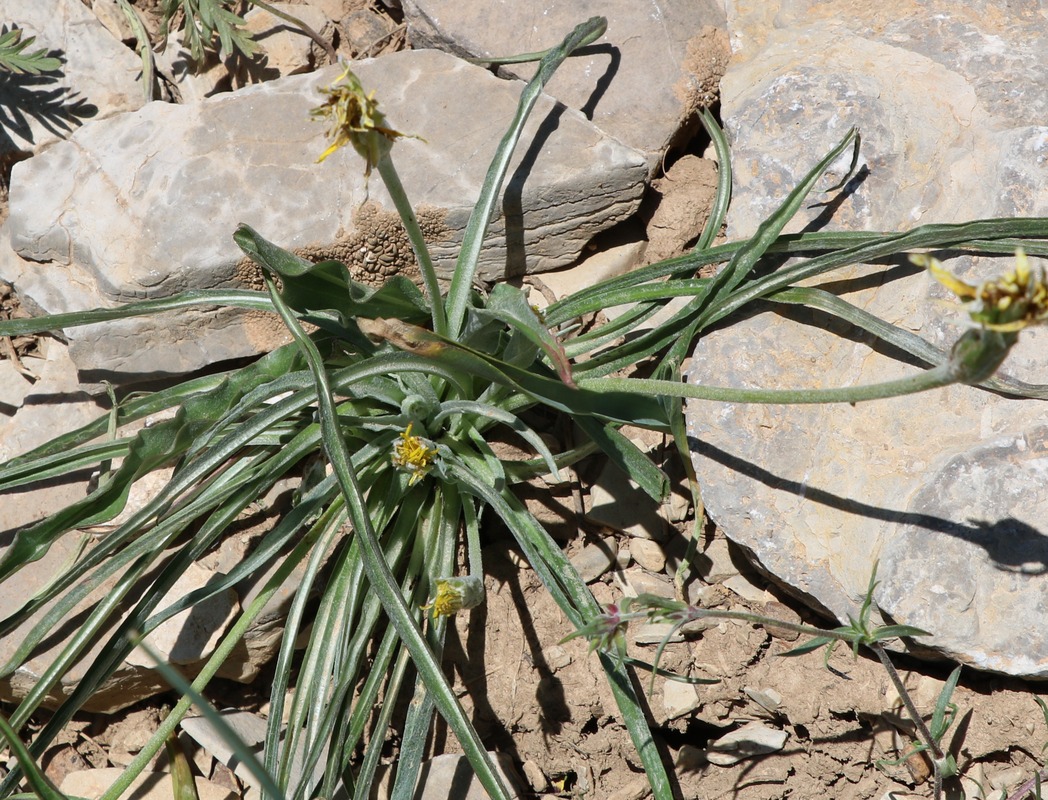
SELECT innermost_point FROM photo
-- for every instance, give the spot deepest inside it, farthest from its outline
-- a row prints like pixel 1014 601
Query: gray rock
pixel 99 75
pixel 752 739
pixel 648 554
pixel 618 502
pixel 946 489
pixel 641 82
pixel 595 558
pixel 144 205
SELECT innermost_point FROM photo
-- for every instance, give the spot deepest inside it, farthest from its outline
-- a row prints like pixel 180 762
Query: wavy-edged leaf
pixel 614 405
pixel 509 305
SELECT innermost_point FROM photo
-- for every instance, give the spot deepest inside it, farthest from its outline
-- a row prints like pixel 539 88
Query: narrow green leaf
pixel 473 238
pixel 627 457
pixel 509 305
pixel 719 209
pixel 378 571
pixel 182 781
pixel 38 781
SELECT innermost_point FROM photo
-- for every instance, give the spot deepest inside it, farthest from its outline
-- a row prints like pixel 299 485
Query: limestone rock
pixel 99 75
pixel 92 783
pixel 752 739
pixel 144 205
pixel 642 82
pixel 947 488
pixel 287 50
pixel 595 558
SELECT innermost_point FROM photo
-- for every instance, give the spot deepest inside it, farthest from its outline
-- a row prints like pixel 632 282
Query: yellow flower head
pixel 1010 303
pixel 355 119
pixel 457 594
pixel 411 454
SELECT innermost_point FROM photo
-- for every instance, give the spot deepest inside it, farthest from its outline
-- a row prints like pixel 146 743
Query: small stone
pixel 1007 778
pixel 677 507
pixel 618 502
pixel 767 698
pixel 534 775
pixel 288 50
pixel 690 758
pixel 636 789
pixel 714 563
pixel 595 558
pixel 752 739
pixel 624 557
pixel 744 588
pixel 783 612
pixel 656 632
pixel 679 698
pixel 91 783
pixel 557 657
pixel 639 581
pixel 594 268
pixel 648 554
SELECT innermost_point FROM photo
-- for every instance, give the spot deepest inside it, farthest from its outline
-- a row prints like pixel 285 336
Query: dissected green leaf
pixel 14 58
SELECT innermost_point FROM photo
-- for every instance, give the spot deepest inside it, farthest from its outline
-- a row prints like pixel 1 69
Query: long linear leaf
pixel 379 574
pixel 575 600
pixel 473 238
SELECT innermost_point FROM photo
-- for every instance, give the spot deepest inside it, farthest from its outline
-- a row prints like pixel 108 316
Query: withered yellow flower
pixel 457 594
pixel 355 119
pixel 1010 303
pixel 411 454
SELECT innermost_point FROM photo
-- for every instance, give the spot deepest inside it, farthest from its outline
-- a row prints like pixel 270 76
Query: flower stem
pixel 418 242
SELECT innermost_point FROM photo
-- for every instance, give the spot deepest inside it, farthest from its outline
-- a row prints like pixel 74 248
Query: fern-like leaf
pixel 14 58
pixel 206 19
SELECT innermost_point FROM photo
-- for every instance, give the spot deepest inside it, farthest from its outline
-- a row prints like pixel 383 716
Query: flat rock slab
pixel 946 489
pixel 644 80
pixel 99 75
pixel 144 205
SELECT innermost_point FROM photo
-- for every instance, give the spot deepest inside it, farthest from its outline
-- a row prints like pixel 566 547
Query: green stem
pixel 312 34
pixel 418 242
pixel 911 709
pixel 943 375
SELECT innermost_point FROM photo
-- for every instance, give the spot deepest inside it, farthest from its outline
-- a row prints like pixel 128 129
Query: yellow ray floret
pixel 412 455
pixel 1010 303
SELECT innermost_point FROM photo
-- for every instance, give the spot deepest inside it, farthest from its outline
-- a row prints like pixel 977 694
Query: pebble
pixel 655 632
pixel 752 739
pixel 679 698
pixel 596 558
pixel 768 699
pixel 648 554
pixel 557 657
pixel 714 563
pixel 783 612
pixel 534 775
pixel 639 581
pixel 1007 778
pixel 742 586
pixel 676 508
pixel 634 790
